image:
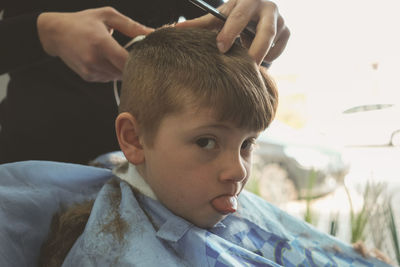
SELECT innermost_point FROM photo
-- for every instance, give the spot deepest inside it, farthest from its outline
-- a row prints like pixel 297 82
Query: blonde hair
pixel 175 67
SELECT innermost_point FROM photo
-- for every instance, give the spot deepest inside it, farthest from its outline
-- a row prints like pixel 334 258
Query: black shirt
pixel 50 113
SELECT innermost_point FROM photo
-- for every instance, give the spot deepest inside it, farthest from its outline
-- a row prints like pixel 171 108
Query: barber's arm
pixel 20 46
pixel 272 34
pixel 83 40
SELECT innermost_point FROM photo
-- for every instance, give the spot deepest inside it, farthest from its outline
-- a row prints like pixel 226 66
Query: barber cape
pixel 129 227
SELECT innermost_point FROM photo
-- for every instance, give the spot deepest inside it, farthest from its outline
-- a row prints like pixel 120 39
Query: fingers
pixel 116 54
pixel 83 41
pixel 106 74
pixel 266 31
pixel 279 45
pixel 106 63
pixel 271 33
pixel 270 41
pixel 115 20
pixel 94 69
pixel 271 36
pixel 206 22
pixel 240 13
pixel 106 71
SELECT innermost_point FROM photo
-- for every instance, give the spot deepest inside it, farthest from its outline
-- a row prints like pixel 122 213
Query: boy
pixel 188 120
pixel 189 116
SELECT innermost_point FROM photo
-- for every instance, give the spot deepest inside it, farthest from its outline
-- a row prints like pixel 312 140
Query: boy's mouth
pixel 225 204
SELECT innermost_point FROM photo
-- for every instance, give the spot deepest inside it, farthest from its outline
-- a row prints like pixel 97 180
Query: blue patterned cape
pixel 259 234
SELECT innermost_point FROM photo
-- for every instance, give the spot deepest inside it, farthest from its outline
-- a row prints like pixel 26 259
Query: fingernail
pixel 221 47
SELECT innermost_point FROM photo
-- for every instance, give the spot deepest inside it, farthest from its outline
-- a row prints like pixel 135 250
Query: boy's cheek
pixel 245 181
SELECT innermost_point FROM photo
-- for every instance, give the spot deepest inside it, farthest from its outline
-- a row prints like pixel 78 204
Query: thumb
pixel 115 20
pixel 206 22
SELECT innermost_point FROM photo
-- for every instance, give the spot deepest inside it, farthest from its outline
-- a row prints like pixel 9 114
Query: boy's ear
pixel 130 142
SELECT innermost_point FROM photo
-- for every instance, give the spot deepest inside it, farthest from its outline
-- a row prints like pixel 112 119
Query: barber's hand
pixel 271 32
pixel 83 41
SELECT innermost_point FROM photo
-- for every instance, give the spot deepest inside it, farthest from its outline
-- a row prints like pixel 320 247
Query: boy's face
pixel 198 165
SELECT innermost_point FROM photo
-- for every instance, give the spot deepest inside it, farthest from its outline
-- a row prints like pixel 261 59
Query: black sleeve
pixel 190 11
pixel 20 45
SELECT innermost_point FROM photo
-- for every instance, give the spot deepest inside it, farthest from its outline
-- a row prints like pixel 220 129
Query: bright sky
pixel 332 48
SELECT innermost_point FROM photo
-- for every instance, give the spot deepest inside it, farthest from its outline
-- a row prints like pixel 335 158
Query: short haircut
pixel 175 68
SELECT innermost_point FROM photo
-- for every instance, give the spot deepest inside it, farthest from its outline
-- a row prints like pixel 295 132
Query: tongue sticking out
pixel 225 204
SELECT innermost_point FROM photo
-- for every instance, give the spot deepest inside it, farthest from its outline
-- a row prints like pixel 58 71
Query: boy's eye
pixel 248 144
pixel 206 143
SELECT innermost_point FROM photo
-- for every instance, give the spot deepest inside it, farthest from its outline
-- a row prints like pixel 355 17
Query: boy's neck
pixel 132 175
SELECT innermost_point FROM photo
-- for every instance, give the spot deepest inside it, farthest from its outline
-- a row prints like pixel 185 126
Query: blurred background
pixel 339 84
pixel 338 81
pixel 332 155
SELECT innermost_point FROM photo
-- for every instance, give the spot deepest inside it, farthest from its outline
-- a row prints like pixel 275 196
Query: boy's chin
pixel 208 223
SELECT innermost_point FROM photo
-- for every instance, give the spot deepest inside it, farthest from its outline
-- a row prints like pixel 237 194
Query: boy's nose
pixel 233 168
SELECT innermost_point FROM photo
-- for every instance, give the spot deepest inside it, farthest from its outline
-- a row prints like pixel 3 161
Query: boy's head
pixel 188 118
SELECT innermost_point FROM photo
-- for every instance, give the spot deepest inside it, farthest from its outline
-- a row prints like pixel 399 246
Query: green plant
pixel 309 216
pixel 393 232
pixel 359 220
pixel 334 224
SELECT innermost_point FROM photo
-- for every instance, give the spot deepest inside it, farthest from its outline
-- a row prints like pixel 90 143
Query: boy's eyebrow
pixel 216 125
pixel 221 126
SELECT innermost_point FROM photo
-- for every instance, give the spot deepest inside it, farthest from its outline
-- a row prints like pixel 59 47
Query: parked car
pixel 367 125
pixel 313 166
